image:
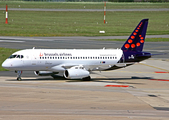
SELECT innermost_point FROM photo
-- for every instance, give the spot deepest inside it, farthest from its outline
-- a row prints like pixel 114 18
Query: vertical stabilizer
pixel 136 40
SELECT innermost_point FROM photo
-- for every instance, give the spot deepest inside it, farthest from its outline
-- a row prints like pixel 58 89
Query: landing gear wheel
pixel 19 79
pixel 87 78
pixel 58 77
pixel 19 75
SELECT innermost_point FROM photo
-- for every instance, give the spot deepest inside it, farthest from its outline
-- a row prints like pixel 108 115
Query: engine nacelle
pixel 44 73
pixel 76 74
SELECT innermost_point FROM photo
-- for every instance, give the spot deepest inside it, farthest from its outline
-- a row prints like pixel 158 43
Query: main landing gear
pixel 19 75
pixel 87 78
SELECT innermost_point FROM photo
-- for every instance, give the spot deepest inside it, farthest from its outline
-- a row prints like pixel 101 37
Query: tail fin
pixel 135 42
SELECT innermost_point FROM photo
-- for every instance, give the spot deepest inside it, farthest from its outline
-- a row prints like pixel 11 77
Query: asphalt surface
pixel 35 97
pixel 82 43
pixel 145 97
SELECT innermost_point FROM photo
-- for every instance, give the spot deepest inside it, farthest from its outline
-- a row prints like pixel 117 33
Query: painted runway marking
pixel 10 41
pixel 159 79
pixel 154 67
pixel 160 72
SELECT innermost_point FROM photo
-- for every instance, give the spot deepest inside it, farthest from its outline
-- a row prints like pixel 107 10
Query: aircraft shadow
pixel 117 80
pixel 104 80
pixel 39 79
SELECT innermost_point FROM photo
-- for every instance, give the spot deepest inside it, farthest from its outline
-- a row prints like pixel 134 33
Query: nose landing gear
pixel 19 75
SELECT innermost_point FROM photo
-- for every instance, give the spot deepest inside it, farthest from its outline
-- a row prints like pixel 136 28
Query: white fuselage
pixel 61 59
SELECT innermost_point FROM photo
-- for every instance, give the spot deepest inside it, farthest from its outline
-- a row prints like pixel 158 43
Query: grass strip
pixel 38 23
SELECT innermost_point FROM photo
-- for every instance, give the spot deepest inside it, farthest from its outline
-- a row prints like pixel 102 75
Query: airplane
pixel 79 63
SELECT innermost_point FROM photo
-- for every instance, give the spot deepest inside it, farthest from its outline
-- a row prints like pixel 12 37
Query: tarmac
pixel 80 42
pixel 137 92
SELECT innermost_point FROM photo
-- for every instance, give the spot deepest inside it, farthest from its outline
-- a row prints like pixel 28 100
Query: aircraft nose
pixel 6 64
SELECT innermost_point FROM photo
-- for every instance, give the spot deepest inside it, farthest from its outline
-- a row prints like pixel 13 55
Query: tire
pixel 19 79
pixel 87 78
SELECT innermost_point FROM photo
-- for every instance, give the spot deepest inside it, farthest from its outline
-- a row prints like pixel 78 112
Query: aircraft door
pixel 122 60
pixel 34 59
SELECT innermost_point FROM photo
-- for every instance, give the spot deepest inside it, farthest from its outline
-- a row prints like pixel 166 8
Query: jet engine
pixel 44 73
pixel 76 73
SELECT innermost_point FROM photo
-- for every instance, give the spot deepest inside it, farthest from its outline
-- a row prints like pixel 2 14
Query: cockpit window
pixel 16 56
pixel 12 56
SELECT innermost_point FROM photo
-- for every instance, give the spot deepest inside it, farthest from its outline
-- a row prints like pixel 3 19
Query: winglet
pixel 135 42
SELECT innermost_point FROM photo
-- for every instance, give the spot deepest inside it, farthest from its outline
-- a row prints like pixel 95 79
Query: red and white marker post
pixel 6 22
pixel 104 12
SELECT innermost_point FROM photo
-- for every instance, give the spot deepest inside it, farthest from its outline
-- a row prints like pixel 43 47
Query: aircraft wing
pixel 63 67
pixel 124 64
